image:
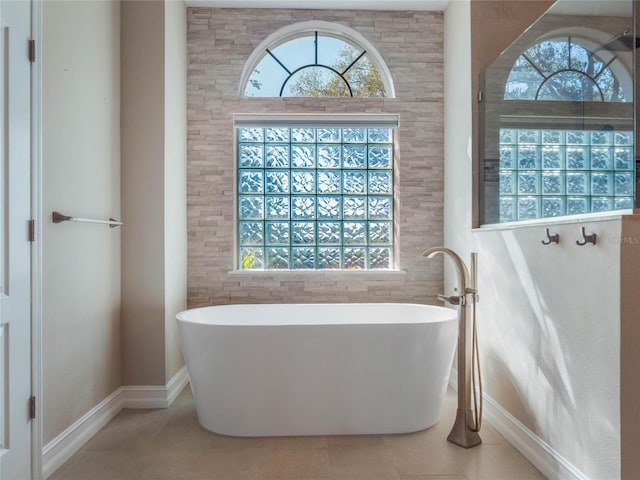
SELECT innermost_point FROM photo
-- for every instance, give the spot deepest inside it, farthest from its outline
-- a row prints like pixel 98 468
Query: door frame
pixel 36 248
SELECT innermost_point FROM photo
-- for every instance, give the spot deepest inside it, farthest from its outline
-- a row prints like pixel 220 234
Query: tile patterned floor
pixel 169 445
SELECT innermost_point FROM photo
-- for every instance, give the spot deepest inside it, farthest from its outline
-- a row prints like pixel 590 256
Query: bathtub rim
pixel 443 314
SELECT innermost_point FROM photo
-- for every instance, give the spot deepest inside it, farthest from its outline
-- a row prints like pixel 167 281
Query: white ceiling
pixel 431 5
pixel 562 7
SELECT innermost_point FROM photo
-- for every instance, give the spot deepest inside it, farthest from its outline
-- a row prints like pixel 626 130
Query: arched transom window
pixel 316 63
pixel 566 69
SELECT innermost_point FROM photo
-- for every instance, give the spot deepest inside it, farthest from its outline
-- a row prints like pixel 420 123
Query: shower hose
pixel 475 372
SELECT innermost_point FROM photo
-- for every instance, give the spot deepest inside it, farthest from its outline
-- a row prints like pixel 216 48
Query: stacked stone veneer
pixel 219 43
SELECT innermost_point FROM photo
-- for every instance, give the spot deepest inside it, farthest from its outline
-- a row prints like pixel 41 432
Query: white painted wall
pixel 175 179
pixel 87 355
pixel 549 316
pixel 81 177
pixel 457 134
pixel 143 177
pixel 154 247
pixel 630 347
pixel 550 321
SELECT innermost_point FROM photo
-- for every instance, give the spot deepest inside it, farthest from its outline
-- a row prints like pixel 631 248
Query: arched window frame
pixel 302 29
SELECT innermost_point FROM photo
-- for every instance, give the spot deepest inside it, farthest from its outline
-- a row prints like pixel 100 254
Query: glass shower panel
pixel 557 115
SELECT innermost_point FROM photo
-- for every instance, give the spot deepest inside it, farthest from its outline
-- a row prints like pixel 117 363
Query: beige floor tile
pixel 183 417
pixel 169 444
pixel 296 442
pixel 230 464
pixel 171 464
pixel 435 477
pixel 193 439
pixel 183 432
pixel 96 465
pixel 490 435
pixel 358 441
pixel 188 420
pixel 497 462
pixel 422 439
pixel 437 459
pixel 295 463
pixel 374 463
pixel 130 430
pixel 225 441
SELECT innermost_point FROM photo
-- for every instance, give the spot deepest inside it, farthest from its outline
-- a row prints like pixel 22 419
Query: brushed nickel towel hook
pixel 555 238
pixel 586 237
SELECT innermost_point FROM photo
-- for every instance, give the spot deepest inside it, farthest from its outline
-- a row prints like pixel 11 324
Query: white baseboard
pixel 541 455
pixel 155 397
pixel 177 384
pixel 61 448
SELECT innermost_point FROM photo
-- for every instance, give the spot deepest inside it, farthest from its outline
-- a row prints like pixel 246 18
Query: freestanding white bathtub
pixel 318 369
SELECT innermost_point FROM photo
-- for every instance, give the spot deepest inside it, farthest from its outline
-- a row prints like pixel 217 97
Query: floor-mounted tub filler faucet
pixel 468 421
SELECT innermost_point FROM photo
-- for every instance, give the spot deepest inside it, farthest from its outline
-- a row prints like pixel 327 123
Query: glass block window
pixel 548 173
pixel 315 198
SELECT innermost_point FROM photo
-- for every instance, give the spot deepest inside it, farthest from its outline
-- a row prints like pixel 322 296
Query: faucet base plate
pixel 460 434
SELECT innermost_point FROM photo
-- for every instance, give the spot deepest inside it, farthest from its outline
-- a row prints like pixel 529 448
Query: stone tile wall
pixel 219 43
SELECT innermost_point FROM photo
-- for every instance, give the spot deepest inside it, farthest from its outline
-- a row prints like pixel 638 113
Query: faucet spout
pixel 463 273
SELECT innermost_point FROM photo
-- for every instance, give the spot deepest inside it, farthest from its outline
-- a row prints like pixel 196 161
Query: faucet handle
pixel 453 299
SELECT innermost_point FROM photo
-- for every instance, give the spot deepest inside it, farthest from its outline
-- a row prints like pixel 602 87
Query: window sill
pixel 368 273
pixel 565 220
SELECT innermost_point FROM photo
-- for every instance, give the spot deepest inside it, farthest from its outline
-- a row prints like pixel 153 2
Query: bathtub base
pixel 307 429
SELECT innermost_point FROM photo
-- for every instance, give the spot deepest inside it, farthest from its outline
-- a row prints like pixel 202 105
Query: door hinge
pixel 32 50
pixel 480 96
pixel 32 230
pixel 32 408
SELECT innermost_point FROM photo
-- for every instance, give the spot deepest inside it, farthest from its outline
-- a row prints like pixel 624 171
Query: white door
pixel 15 248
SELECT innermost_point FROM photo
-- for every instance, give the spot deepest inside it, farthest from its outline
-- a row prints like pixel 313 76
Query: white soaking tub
pixel 318 369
